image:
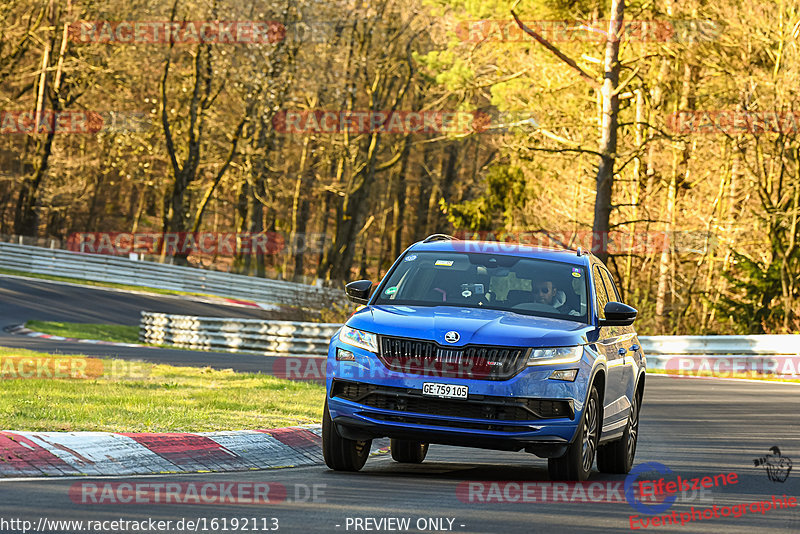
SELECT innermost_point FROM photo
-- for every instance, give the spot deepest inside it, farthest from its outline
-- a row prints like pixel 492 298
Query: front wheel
pixel 408 452
pixel 341 454
pixel 617 457
pixel 576 464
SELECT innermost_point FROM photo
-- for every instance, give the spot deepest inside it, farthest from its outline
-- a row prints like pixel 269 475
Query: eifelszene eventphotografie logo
pixel 631 480
pixel 778 466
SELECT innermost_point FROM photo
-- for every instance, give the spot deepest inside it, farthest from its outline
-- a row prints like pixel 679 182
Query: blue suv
pixel 488 345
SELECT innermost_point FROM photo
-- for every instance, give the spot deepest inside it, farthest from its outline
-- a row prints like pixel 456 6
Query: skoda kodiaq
pixel 488 345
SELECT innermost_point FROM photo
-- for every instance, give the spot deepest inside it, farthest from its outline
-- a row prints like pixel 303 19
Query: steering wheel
pixel 535 306
pixel 442 291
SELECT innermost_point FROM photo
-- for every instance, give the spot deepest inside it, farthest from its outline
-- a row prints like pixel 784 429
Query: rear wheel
pixel 576 464
pixel 341 454
pixel 408 452
pixel 617 457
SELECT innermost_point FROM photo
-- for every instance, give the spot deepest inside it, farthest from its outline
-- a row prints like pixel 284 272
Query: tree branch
pixel 558 53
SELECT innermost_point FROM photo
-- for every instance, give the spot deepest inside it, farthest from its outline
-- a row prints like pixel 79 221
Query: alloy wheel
pixel 589 434
pixel 633 428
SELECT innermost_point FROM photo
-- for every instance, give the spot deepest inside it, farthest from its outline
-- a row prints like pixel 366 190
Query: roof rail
pixel 438 237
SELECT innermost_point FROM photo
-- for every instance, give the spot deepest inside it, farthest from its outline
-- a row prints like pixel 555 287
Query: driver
pixel 546 292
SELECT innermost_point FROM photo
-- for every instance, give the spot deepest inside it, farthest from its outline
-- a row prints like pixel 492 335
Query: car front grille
pixel 420 357
pixel 475 407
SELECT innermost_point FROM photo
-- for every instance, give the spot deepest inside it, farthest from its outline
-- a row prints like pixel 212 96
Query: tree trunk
pixel 679 175
pixel 26 220
pixel 399 206
pixel 635 190
pixel 299 211
pixel 424 192
pixel 241 261
pixel 608 140
pixel 326 263
pixel 450 159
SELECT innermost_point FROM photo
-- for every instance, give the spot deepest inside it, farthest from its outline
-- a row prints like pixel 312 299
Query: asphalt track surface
pixel 24 300
pixel 694 427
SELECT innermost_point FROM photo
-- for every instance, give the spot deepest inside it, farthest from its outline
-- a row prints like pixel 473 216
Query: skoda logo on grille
pixel 452 336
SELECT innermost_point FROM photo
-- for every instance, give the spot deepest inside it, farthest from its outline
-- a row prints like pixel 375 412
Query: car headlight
pixel 555 355
pixel 359 338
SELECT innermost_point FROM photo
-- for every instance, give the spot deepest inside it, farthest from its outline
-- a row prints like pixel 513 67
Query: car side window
pixel 610 285
pixel 600 292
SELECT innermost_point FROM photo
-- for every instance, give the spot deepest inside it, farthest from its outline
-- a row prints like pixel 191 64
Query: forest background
pixel 668 130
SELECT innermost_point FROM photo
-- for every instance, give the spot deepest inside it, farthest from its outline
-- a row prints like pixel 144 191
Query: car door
pixel 626 342
pixel 614 401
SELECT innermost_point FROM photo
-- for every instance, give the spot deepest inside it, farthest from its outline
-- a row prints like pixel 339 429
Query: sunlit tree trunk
pixel 608 139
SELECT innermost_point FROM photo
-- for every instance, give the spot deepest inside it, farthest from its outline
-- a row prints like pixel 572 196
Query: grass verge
pixel 102 332
pixel 144 397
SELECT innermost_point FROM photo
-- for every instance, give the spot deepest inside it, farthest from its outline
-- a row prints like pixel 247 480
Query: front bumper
pixel 528 411
pixel 358 428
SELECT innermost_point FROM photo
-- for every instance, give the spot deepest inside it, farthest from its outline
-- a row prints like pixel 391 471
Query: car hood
pixel 475 326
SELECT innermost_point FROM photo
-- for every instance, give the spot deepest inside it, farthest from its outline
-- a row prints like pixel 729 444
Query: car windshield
pixel 494 281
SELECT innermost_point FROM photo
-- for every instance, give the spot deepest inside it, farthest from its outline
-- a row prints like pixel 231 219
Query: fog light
pixel 344 355
pixel 564 374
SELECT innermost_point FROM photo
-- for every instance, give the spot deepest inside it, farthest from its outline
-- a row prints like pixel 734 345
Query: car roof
pixel 507 249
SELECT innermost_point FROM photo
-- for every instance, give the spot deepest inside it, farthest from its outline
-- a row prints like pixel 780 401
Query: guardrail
pixel 173 277
pixel 271 338
pixel 759 351
pixel 281 338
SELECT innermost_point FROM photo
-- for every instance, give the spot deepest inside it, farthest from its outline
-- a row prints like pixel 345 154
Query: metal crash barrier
pixel 764 354
pixel 56 262
pixel 271 338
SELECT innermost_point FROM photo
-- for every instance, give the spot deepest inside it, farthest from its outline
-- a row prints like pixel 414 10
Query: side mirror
pixel 358 291
pixel 618 314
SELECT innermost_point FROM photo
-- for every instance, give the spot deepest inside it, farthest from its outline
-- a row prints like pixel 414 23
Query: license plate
pixel 445 391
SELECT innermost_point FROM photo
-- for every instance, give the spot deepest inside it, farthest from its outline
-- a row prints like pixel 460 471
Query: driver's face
pixel 544 292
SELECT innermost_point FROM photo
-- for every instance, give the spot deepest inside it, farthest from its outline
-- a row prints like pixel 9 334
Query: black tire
pixel 576 464
pixel 342 454
pixel 617 457
pixel 408 452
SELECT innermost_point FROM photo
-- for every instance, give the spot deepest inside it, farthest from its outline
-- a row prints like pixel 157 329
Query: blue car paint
pixel 493 327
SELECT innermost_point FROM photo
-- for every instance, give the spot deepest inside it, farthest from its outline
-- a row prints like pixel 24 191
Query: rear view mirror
pixel 358 291
pixel 618 314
